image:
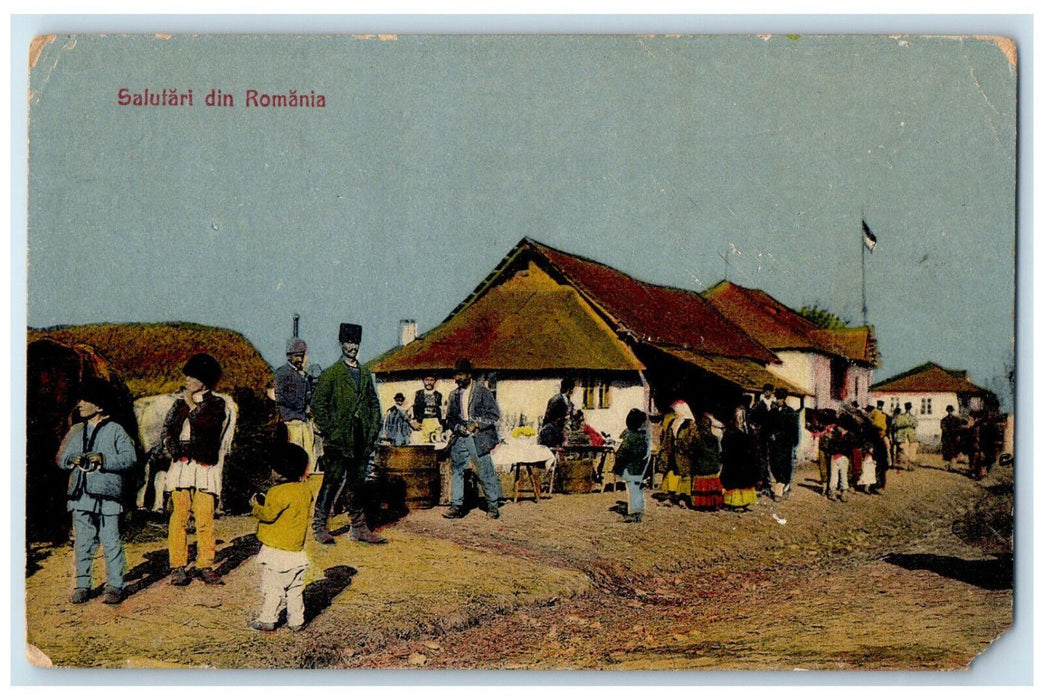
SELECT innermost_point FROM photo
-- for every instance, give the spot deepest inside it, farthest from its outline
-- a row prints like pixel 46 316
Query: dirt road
pixel 878 582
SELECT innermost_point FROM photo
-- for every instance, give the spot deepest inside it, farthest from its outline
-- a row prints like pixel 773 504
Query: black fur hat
pixel 350 333
pixel 204 368
pixel 97 391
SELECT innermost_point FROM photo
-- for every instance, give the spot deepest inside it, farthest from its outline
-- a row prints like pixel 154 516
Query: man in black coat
pixel 781 429
pixel 472 416
pixel 556 416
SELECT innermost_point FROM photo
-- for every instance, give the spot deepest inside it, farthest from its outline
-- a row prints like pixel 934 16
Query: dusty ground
pixel 879 582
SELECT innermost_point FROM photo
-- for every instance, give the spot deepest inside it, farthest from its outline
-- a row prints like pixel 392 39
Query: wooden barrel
pixel 413 471
pixel 576 475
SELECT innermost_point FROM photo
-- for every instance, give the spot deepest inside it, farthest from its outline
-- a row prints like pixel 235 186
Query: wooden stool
pixel 534 482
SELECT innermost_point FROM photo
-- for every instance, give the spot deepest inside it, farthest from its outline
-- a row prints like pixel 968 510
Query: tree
pixel 823 318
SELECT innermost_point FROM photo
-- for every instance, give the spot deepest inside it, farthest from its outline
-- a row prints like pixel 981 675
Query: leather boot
pixel 361 531
pixel 322 535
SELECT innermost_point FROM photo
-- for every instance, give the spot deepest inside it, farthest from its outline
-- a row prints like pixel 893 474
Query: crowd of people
pixel 754 453
pixel 335 421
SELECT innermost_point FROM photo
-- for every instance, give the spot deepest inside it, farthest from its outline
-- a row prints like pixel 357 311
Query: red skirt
pixel 707 493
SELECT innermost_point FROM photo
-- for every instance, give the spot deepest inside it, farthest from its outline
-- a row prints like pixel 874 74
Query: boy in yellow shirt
pixel 283 522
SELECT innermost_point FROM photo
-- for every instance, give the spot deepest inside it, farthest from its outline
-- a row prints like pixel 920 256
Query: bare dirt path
pixel 879 582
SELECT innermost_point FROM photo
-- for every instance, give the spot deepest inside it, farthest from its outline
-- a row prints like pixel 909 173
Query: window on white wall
pixel 926 407
pixel 596 394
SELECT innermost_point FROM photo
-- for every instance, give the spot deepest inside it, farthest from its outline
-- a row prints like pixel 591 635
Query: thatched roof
pixel 517 329
pixel 149 356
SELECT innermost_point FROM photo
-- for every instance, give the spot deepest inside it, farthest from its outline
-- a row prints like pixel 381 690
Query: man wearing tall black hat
pixel 472 416
pixel 347 413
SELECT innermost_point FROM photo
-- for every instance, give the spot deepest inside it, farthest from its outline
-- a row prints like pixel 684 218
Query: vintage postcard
pixel 536 352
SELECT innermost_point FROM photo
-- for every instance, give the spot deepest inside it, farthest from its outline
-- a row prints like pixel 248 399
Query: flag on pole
pixel 869 239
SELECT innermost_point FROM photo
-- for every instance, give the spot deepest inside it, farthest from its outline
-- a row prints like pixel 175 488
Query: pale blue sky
pixel 435 155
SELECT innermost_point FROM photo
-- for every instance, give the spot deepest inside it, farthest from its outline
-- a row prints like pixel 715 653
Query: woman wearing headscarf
pixel 676 436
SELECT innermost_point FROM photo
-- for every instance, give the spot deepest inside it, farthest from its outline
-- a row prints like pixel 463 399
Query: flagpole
pixel 862 250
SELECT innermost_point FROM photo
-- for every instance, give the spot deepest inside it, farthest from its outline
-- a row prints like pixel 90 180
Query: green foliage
pixel 823 318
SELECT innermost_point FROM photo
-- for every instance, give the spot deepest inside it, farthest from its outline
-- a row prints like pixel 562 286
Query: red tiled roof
pixel 778 327
pixel 651 313
pixel 517 330
pixel 853 343
pixel 930 377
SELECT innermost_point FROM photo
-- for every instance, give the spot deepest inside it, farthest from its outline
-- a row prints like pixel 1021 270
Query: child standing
pixel 98 452
pixel 283 521
pixel 631 458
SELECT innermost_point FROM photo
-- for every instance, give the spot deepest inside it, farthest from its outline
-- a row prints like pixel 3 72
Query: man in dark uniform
pixel 347 412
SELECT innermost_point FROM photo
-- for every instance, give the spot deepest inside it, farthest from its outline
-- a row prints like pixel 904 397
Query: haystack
pixel 147 358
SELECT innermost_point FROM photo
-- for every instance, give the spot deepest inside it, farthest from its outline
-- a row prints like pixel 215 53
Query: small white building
pixel 930 388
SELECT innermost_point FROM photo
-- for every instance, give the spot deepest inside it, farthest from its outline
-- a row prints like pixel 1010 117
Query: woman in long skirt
pixel 739 467
pixel 706 465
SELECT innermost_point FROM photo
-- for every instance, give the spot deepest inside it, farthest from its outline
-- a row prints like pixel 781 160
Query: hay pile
pixel 149 356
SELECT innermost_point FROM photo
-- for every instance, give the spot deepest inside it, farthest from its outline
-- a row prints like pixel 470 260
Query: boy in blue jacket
pixel 98 452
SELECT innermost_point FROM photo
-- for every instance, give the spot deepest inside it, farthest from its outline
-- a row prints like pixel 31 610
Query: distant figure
pixel 893 440
pixel 906 435
pixel 678 431
pixel 739 465
pixel 757 420
pixel 192 435
pixel 838 445
pixel 348 414
pixel 632 457
pixel 293 392
pixel 427 410
pixel 781 430
pixel 472 416
pixel 951 426
pixel 987 437
pixel 879 446
pixel 282 528
pixel 398 424
pixel 706 465
pixel 819 423
pixel 557 415
pixel 98 452
pixel 579 433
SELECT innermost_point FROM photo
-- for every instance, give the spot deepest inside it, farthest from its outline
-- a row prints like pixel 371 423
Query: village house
pixel 832 366
pixel 931 388
pixel 542 315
